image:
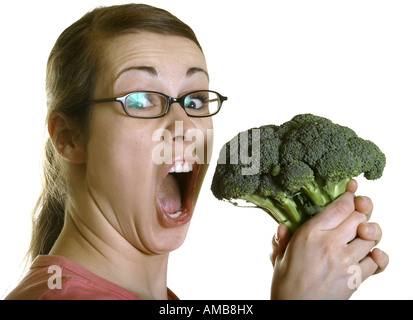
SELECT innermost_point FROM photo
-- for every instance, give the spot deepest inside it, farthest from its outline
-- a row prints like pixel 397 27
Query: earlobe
pixel 63 140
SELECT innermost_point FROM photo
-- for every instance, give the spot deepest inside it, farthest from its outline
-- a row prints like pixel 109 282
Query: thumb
pixel 279 242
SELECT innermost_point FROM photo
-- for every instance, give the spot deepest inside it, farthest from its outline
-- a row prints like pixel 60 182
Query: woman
pixel 125 87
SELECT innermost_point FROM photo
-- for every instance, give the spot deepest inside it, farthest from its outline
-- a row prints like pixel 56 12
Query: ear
pixel 63 140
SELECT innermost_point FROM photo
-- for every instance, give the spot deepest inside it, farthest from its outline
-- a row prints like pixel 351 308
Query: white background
pixel 351 61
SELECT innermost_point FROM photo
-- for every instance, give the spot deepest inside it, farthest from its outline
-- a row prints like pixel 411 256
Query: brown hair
pixel 70 82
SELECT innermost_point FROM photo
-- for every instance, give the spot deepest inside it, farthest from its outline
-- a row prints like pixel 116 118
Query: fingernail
pixel 369 229
pixel 378 253
pixel 366 201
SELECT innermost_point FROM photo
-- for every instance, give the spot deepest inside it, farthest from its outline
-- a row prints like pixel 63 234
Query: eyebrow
pixel 194 70
pixel 152 71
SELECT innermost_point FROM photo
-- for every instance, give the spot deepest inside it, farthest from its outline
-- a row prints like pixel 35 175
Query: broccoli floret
pixel 372 159
pixel 311 140
pixel 283 204
pixel 269 146
pixel 230 183
pixel 305 164
pixel 336 167
pixel 298 177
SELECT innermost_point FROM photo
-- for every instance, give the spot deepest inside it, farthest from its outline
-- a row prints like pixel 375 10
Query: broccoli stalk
pixel 293 211
pixel 280 203
pixel 336 189
pixel 322 193
pixel 305 164
pixel 316 193
pixel 298 177
pixel 282 211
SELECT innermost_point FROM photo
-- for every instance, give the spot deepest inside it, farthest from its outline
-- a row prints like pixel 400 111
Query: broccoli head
pixel 304 164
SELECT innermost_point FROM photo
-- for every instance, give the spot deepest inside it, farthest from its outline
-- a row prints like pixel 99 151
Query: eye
pixel 196 101
pixel 139 100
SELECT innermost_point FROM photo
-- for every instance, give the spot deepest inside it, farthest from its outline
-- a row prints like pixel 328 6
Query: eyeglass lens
pixel 145 104
pixel 151 104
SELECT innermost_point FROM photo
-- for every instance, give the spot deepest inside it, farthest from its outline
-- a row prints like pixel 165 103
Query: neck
pixel 90 240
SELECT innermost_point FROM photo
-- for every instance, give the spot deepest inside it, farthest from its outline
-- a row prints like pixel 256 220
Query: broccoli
pixel 304 164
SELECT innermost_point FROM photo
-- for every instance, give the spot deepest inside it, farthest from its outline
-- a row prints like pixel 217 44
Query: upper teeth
pixel 181 166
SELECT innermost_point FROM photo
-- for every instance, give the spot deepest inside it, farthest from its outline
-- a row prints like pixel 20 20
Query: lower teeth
pixel 175 215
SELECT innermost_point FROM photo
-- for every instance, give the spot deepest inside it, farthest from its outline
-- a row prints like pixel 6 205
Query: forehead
pixel 163 52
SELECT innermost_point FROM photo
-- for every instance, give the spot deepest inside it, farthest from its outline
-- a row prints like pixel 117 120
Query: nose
pixel 183 129
pixel 179 120
pixel 176 121
pixel 177 105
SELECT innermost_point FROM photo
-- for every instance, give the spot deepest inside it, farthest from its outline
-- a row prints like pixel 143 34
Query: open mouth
pixel 175 193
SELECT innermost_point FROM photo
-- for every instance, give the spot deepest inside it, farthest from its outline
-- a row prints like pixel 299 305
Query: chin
pixel 170 239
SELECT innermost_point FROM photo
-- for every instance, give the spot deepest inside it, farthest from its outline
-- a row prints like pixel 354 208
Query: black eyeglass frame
pixel 170 101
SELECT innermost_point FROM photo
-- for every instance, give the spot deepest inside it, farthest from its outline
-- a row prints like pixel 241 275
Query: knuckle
pixel 362 218
pixel 307 234
pixel 332 252
pixel 359 220
pixel 343 208
pixel 347 260
pixel 337 256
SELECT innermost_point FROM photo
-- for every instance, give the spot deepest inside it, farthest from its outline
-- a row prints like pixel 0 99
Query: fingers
pixel 368 267
pixel 381 259
pixel 369 235
pixel 347 230
pixel 336 212
pixel 343 207
pixel 356 223
pixel 369 231
pixel 279 242
pixel 364 205
pixel 373 263
pixel 283 235
pixel 352 186
pixel 359 249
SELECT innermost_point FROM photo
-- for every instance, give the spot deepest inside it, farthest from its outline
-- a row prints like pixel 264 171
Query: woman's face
pixel 129 165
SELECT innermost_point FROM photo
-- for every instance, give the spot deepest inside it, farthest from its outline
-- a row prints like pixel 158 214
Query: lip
pixel 188 201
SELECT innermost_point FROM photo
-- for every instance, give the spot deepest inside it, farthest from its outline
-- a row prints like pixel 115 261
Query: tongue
pixel 169 195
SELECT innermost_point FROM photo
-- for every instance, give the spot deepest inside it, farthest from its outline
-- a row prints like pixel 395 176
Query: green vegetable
pixel 301 166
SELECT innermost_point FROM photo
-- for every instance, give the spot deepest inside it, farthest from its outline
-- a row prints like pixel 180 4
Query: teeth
pixel 175 215
pixel 181 166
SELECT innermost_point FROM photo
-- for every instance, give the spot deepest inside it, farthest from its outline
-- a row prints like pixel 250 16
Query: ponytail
pixel 49 212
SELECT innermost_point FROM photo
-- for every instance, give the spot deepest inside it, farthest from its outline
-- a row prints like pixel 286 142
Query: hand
pixel 316 263
pixel 369 231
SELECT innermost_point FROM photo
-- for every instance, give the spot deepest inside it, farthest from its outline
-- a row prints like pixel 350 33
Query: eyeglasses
pixel 152 104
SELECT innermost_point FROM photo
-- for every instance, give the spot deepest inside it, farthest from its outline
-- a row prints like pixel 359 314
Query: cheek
pixel 120 168
pixel 122 178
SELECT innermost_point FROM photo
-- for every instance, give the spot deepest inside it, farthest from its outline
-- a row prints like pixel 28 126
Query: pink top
pixel 58 278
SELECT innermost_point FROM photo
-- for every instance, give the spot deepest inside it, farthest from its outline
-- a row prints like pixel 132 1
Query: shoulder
pixel 80 289
pixel 58 278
